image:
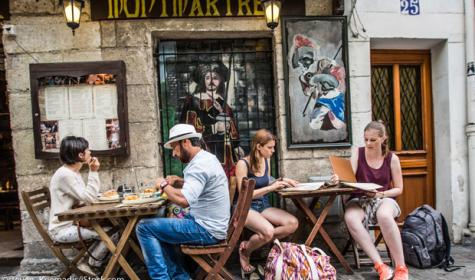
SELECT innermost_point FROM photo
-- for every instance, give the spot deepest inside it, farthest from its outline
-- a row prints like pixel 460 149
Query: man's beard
pixel 184 155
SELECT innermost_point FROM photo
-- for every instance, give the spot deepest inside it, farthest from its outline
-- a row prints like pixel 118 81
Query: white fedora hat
pixel 181 131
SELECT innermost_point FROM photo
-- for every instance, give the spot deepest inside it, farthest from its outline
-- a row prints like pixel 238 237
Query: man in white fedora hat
pixel 204 190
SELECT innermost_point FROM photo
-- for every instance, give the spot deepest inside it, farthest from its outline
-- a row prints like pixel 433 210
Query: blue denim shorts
pixel 260 204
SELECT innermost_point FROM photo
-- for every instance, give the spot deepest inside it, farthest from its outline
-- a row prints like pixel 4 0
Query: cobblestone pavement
pixel 463 255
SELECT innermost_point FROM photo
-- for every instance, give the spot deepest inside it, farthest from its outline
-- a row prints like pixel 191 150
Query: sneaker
pixel 384 271
pixel 84 267
pixel 402 273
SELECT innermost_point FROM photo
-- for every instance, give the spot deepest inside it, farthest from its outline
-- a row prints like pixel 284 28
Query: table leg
pixel 132 243
pixel 335 250
pixel 317 228
pixel 117 251
pixel 318 223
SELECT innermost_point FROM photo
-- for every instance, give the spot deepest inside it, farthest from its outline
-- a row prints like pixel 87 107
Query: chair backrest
pixel 36 201
pixel 238 218
pixel 232 188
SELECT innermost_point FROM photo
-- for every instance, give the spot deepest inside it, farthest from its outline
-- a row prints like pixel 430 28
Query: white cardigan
pixel 67 188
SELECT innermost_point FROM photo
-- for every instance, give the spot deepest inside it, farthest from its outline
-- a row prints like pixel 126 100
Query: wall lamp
pixel 272 12
pixel 72 10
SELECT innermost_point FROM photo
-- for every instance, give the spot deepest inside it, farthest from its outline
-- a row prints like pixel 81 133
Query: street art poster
pixel 316 82
pixel 221 87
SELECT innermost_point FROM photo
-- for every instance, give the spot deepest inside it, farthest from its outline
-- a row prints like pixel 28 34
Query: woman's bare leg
pixel 284 222
pixel 264 233
pixel 354 216
pixel 386 214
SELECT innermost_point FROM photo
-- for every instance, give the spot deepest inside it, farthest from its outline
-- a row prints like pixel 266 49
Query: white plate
pixel 149 195
pixel 140 200
pixel 108 198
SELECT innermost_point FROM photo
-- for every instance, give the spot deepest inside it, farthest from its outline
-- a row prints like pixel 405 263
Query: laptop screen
pixel 342 168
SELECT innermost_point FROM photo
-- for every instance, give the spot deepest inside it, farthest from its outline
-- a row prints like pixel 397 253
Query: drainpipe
pixel 470 128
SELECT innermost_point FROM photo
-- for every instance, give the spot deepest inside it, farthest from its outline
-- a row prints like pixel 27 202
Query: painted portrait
pixel 316 76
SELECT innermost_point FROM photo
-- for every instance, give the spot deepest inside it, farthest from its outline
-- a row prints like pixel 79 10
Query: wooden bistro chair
pixel 232 188
pixel 36 202
pixel 212 258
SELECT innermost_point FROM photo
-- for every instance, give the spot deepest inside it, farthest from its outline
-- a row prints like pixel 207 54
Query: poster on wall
pixel 316 82
pixel 80 102
pixel 56 103
pixel 224 88
pixel 105 101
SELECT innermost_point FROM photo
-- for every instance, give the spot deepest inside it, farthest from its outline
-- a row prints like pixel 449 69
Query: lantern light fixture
pixel 72 10
pixel 272 12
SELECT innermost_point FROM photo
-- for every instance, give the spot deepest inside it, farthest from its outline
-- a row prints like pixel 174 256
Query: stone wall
pixel 43 37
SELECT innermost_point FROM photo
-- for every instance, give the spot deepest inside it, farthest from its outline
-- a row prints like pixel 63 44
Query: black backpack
pixel 425 239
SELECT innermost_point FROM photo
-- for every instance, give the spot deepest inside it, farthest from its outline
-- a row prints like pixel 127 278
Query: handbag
pixel 288 260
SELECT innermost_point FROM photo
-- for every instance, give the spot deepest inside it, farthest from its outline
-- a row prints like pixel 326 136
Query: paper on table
pixel 305 187
pixel 370 187
pixel 56 103
pixel 69 128
pixel 94 130
pixel 105 101
pixel 80 102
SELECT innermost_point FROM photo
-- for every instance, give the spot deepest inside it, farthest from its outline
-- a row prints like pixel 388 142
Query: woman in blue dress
pixel 267 223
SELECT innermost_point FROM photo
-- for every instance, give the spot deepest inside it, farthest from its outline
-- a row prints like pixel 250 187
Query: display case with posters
pixel 86 99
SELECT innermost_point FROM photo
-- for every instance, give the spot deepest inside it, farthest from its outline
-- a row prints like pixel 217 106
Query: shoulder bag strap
pixel 280 261
pixel 313 268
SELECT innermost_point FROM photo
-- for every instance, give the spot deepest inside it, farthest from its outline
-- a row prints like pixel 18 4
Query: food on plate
pixel 110 193
pixel 131 196
pixel 148 192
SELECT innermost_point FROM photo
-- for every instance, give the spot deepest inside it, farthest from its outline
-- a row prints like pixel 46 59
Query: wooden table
pixel 124 217
pixel 298 196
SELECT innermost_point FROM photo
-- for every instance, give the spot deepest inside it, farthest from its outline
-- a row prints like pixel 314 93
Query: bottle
pixel 120 191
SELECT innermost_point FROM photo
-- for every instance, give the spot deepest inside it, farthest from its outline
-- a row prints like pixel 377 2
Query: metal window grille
pixel 410 103
pixel 382 98
pixel 411 107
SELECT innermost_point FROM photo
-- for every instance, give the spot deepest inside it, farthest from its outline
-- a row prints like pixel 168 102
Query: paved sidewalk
pixel 463 255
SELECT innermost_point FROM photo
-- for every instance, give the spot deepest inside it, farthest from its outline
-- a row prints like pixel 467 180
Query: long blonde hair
pixel 382 132
pixel 262 137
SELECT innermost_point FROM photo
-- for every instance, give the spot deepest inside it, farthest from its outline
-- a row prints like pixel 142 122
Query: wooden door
pixel 401 97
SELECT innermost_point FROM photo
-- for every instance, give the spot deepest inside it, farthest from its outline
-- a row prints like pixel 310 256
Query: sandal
pixel 258 273
pixel 249 269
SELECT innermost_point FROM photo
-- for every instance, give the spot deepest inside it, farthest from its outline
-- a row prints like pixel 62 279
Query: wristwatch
pixel 163 184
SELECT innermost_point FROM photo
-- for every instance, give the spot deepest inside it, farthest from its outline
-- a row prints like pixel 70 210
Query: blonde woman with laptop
pixel 374 163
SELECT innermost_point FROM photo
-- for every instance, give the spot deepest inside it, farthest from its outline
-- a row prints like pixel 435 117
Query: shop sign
pixel 410 7
pixel 4 10
pixel 142 9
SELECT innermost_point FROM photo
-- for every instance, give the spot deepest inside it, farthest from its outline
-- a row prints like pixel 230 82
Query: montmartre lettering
pixel 129 9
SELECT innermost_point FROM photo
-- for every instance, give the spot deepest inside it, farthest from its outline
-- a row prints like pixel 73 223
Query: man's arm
pixel 175 181
pixel 174 195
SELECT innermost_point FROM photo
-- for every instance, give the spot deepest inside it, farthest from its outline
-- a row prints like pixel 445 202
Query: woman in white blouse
pixel 68 190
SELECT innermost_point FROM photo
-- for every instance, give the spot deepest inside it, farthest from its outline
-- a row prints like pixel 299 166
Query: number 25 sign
pixel 410 7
